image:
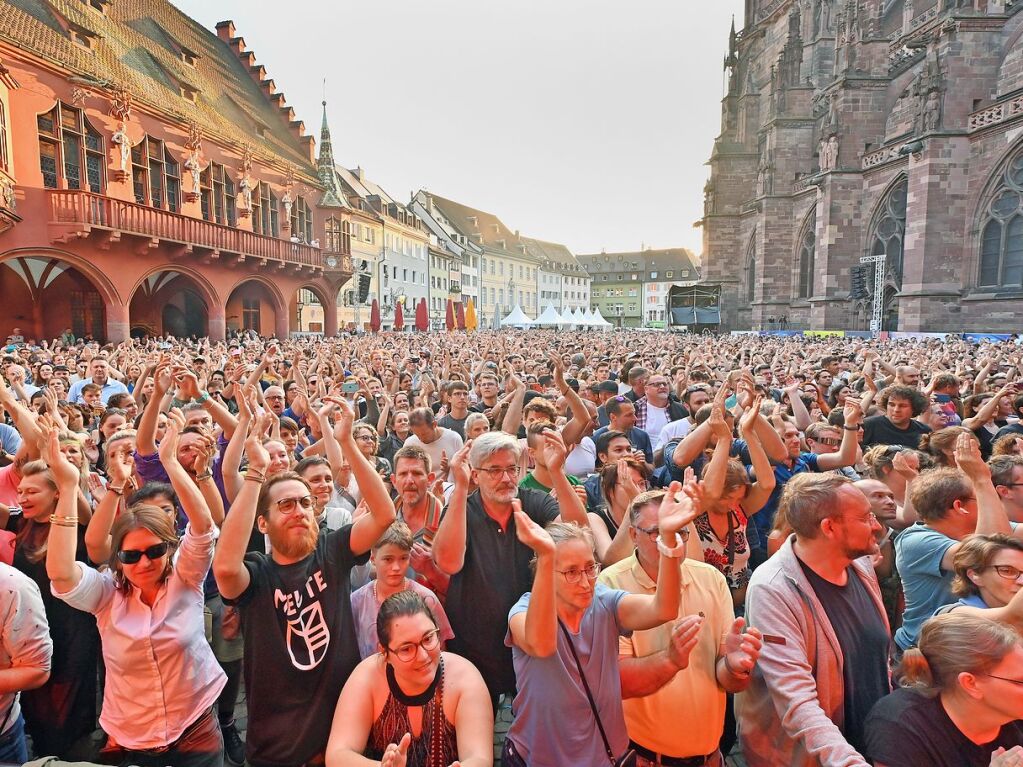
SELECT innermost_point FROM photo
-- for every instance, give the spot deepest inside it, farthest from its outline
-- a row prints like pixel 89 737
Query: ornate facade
pixel 153 180
pixel 859 128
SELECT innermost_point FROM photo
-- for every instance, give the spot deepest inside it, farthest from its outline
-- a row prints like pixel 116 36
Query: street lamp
pixel 301 306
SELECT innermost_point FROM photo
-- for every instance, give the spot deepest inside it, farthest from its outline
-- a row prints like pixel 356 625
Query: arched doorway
pixel 255 306
pixel 307 311
pixel 44 295
pixel 170 302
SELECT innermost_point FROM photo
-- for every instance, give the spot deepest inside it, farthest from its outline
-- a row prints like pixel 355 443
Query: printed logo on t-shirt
pixel 307 634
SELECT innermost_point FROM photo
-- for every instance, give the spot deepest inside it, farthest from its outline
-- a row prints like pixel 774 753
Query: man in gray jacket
pixel 824 660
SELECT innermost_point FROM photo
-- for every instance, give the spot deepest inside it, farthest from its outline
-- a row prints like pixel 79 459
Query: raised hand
pixel 444 464
pixel 852 412
pixel 162 378
pixel 906 464
pixel 741 649
pixel 718 426
pixel 749 418
pixel 1011 758
pixel 677 510
pixel 259 458
pixel 345 421
pixel 554 450
pixel 530 533
pixel 172 436
pixel 65 474
pixel 968 458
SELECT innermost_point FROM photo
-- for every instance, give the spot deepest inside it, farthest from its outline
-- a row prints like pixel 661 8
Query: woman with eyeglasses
pixel 730 499
pixel 988 579
pixel 961 701
pixel 564 639
pixel 162 679
pixel 411 704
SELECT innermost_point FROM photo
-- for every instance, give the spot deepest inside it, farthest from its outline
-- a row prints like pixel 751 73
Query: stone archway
pixel 170 301
pixel 308 310
pixel 46 292
pixel 256 305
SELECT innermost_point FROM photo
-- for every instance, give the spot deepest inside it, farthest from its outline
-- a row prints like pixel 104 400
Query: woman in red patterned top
pixel 730 499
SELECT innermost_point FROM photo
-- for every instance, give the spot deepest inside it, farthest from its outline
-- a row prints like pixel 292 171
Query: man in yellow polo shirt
pixel 674 677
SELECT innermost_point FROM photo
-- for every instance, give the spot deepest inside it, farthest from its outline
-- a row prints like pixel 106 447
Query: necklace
pixel 414 700
pixel 404 586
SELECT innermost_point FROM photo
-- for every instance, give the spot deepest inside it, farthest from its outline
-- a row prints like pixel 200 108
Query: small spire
pixel 325 162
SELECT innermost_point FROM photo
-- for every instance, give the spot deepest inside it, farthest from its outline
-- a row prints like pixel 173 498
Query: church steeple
pixel 325 166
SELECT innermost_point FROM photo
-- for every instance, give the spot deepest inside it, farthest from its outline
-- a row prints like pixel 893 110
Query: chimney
pixel 225 30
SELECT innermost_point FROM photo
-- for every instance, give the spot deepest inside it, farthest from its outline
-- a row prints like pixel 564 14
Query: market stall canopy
pixel 516 318
pixel 550 317
pixel 598 321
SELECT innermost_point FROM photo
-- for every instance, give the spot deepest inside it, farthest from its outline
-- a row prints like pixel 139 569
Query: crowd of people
pixel 638 548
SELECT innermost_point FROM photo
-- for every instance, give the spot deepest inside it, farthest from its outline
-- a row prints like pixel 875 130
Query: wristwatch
pixel 674 553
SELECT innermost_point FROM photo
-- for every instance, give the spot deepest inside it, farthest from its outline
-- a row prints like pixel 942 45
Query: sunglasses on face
pixel 134 556
pixel 290 505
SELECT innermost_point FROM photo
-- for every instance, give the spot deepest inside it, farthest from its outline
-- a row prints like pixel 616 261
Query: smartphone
pixel 350 388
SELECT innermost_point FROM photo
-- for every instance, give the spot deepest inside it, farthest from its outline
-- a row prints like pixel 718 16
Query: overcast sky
pixel 585 122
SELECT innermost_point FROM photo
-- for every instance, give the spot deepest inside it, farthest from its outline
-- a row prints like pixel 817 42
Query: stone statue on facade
pixel 828 153
pixel 287 200
pixel 120 110
pixel 708 197
pixel 193 163
pixel 245 183
pixel 7 198
pixel 927 88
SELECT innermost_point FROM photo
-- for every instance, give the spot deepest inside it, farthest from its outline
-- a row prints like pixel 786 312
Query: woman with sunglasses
pixel 412 705
pixel 564 640
pixel 961 701
pixel 162 680
pixel 988 579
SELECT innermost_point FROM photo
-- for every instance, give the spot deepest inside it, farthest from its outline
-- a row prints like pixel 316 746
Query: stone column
pixel 217 323
pixel 282 325
pixel 118 323
pixel 330 318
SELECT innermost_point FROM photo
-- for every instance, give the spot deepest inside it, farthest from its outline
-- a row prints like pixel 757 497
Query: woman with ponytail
pixel 961 699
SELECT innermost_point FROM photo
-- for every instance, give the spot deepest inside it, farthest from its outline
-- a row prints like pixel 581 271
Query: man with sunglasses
pixel 825 439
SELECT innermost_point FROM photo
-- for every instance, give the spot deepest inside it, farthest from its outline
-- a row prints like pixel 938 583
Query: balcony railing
pixel 85 211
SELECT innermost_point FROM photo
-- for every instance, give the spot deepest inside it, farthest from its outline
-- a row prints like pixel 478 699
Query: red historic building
pixel 152 179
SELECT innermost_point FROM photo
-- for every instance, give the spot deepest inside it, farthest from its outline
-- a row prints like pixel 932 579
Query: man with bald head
pixel 907 375
pixel 884 507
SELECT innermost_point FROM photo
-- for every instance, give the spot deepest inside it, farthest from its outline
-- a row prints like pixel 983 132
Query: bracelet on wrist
pixel 203 477
pixel 116 490
pixel 851 428
pixel 675 552
pixel 202 398
pixel 62 521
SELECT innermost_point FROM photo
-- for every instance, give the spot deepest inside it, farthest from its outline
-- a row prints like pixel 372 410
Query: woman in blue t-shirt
pixel 564 640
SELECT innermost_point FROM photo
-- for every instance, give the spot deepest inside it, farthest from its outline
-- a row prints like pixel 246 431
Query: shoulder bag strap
pixel 589 695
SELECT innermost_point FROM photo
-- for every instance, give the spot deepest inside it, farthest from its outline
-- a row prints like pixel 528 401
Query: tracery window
pixel 751 271
pixel 1001 239
pixel 807 257
pixel 889 230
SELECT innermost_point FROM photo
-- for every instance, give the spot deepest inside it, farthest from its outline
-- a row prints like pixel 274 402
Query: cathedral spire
pixel 325 165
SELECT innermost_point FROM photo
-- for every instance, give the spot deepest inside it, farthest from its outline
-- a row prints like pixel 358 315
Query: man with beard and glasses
pixel 824 661
pixel 295 602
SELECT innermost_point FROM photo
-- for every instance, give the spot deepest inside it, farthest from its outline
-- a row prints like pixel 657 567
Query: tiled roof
pixel 557 253
pixel 641 261
pixel 489 230
pixel 138 45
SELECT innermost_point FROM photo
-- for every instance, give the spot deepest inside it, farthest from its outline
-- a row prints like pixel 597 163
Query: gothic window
pixel 889 229
pixel 217 195
pixel 1001 240
pixel 69 149
pixel 155 175
pixel 807 256
pixel 751 272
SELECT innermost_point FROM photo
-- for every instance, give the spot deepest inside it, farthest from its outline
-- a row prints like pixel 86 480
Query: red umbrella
pixel 460 315
pixel 374 316
pixel 422 317
pixel 449 316
pixel 399 317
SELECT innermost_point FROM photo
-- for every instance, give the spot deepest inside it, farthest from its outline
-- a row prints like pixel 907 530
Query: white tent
pixel 516 318
pixel 550 317
pixel 575 317
pixel 587 318
pixel 598 321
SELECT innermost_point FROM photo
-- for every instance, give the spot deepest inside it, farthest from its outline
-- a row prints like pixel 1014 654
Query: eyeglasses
pixel 407 652
pixel 658 384
pixel 832 441
pixel 134 556
pixel 894 449
pixel 290 505
pixel 1008 572
pixel 273 396
pixel 366 438
pixel 643 485
pixel 1004 679
pixel 655 531
pixel 574 576
pixel 498 472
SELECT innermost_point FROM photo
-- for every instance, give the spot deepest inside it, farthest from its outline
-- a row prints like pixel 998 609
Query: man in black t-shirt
pixel 458 408
pixel 901 404
pixel 476 545
pixel 295 603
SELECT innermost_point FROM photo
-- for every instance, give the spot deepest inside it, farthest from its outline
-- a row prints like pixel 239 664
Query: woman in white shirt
pixel 162 680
